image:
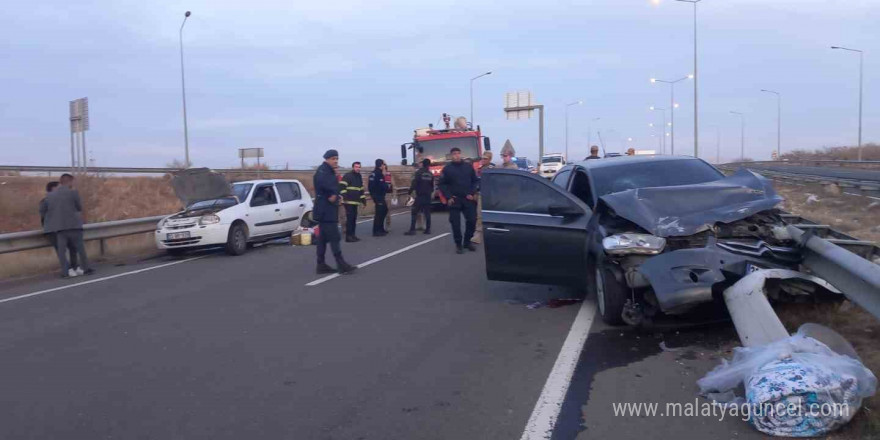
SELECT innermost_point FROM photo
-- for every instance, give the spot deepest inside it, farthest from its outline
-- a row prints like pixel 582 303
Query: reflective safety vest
pixel 352 189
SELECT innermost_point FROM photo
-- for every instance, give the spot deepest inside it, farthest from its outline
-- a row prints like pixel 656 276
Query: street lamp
pixel 663 112
pixel 672 104
pixel 861 83
pixel 183 89
pixel 778 121
pixel 566 124
pixel 590 132
pixel 472 95
pixel 742 136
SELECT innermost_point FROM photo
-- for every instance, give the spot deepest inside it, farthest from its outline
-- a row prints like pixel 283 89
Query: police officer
pixel 326 210
pixel 458 184
pixel 352 190
pixel 379 187
pixel 423 185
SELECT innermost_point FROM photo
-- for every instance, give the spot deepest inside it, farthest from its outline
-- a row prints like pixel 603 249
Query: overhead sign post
pixel 79 124
pixel 521 105
pixel 251 153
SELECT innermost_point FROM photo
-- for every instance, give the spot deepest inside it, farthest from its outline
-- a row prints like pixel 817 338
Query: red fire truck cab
pixel 432 144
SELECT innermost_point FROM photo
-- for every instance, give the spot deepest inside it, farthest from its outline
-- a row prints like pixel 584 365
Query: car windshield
pixel 241 190
pixel 211 204
pixel 612 179
pixel 552 159
pixel 438 150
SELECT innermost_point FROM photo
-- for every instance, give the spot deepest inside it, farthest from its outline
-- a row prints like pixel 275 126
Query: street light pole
pixel 778 121
pixel 672 102
pixel 566 125
pixel 183 88
pixel 696 100
pixel 861 89
pixel 742 136
pixel 590 132
pixel 472 95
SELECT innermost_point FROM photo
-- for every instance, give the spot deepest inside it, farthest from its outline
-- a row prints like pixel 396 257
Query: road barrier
pixel 800 177
pixel 28 240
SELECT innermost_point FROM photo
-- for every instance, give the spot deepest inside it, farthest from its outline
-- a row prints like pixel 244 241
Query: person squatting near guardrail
pixel 423 186
pixel 326 213
pixel 62 219
pixel 379 186
pixel 352 190
pixel 458 184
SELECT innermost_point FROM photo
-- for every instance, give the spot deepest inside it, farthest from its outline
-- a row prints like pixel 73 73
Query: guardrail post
pixel 101 241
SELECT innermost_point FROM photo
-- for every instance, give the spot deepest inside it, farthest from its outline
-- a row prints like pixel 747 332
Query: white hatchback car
pixel 235 216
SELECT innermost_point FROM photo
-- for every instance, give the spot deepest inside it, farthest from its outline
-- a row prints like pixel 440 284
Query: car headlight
pixel 644 244
pixel 209 219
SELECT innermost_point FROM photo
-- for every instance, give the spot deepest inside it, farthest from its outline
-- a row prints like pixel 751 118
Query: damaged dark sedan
pixel 648 235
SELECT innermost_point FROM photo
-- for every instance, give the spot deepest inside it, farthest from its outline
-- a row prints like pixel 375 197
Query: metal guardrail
pixel 28 240
pixel 820 162
pixel 843 182
pixel 22 241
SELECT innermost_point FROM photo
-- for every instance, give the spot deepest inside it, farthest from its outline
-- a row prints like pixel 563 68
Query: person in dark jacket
pixel 64 219
pixel 378 188
pixel 71 249
pixel 594 153
pixel 458 184
pixel 423 186
pixel 352 190
pixel 326 213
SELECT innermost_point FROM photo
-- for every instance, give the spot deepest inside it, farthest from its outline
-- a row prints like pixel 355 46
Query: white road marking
pixel 378 259
pixel 392 215
pixel 96 280
pixel 546 412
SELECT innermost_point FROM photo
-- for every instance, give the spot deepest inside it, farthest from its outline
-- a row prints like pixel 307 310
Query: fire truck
pixel 433 144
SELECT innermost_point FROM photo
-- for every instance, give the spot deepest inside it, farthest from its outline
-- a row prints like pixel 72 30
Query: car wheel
pixel 175 252
pixel 610 295
pixel 237 242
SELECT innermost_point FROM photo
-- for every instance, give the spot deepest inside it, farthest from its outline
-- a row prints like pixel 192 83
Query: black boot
pixel 427 232
pixel 350 239
pixel 324 268
pixel 410 232
pixel 470 246
pixel 344 268
pixel 355 238
pixel 459 249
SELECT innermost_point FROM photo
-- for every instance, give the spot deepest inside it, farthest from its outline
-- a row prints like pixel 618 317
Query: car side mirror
pixel 564 211
pixel 403 151
pixel 403 162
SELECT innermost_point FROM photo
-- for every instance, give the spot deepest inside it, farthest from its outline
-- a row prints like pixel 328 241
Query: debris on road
pixel 797 386
pixel 811 198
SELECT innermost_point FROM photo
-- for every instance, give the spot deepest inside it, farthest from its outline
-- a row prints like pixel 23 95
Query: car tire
pixel 237 241
pixel 610 294
pixel 175 252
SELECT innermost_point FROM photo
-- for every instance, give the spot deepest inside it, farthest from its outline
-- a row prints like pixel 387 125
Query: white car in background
pixel 551 163
pixel 234 216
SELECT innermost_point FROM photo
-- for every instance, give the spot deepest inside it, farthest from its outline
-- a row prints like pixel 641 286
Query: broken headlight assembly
pixel 209 219
pixel 644 244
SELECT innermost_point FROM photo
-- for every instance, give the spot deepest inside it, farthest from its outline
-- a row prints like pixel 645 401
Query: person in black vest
pixel 352 190
pixel 326 213
pixel 378 188
pixel 423 185
pixel 458 184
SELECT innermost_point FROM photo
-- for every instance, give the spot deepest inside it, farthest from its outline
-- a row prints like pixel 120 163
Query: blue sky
pixel 298 78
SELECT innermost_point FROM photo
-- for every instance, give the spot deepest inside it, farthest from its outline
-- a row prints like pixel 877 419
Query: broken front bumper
pixel 684 278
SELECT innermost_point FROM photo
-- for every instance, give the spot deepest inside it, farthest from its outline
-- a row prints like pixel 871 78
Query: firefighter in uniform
pixel 458 184
pixel 326 214
pixel 352 191
pixel 423 185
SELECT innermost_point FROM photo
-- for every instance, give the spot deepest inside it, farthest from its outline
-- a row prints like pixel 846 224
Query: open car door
pixel 534 231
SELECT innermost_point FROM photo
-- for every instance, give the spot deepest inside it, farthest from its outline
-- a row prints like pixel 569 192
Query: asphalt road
pixel 416 345
pixel 841 173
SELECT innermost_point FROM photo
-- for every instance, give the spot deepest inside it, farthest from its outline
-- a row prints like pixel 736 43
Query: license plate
pixel 177 235
pixel 751 268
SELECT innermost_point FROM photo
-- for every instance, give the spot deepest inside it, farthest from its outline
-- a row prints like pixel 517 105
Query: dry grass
pixel 855 215
pixel 869 152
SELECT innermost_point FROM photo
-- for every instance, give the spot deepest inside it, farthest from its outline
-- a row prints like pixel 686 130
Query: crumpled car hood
pixel 198 184
pixel 686 210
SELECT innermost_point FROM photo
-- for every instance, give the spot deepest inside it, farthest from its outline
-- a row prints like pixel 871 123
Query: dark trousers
pixel 351 215
pixel 469 210
pixel 66 239
pixel 71 249
pixel 328 233
pixel 379 218
pixel 424 208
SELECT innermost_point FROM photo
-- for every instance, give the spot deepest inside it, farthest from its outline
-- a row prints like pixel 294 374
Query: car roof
pixel 629 160
pixel 266 181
